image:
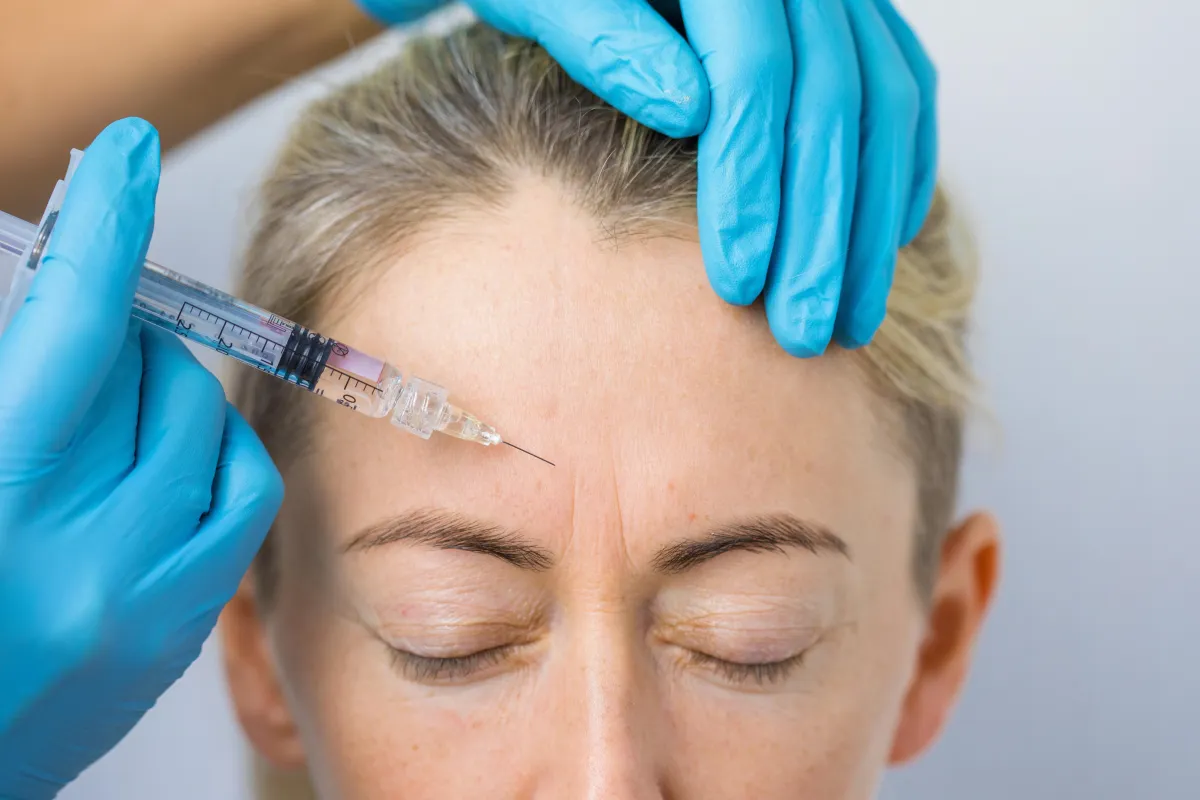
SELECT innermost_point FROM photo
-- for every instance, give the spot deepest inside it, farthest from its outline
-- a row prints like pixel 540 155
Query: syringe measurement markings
pixel 359 383
pixel 200 313
pixel 348 380
pixel 252 338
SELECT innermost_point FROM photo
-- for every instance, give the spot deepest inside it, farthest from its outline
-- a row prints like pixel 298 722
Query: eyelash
pixel 759 674
pixel 427 669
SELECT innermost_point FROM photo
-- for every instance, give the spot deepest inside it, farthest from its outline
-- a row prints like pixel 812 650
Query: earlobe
pixel 962 594
pixel 254 683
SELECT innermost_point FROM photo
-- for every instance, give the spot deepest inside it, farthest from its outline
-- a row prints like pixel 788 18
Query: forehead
pixel 660 405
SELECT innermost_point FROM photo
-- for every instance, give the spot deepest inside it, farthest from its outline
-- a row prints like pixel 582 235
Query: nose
pixel 610 732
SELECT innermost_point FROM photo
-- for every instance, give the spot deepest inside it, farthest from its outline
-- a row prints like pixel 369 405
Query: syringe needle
pixel 526 452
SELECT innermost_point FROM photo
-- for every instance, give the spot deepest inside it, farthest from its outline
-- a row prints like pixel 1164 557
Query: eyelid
pixel 739 624
pixel 418 615
pixel 760 674
pixel 740 644
pixel 429 669
pixel 431 639
pixel 686 605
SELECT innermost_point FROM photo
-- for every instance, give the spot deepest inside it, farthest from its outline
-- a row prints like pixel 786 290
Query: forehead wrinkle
pixel 624 526
pixel 599 529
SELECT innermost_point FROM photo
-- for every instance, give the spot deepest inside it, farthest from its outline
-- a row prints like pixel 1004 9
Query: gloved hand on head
pixel 817 126
pixel 132 496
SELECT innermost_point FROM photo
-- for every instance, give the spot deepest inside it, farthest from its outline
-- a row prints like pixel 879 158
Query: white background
pixel 1070 136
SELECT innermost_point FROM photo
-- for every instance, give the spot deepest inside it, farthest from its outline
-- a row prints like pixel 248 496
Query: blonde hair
pixel 451 123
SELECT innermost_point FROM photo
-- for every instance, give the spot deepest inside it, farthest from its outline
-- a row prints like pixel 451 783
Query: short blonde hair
pixel 451 123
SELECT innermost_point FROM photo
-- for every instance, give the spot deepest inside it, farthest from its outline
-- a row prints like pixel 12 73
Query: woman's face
pixel 709 595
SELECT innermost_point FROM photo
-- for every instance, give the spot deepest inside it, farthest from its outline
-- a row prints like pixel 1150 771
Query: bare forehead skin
pixel 662 406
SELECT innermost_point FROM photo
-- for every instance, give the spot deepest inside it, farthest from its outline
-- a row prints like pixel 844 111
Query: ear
pixel 254 685
pixel 962 593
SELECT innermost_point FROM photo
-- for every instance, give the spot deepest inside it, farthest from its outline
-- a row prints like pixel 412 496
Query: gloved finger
pixel 179 432
pixel 106 446
pixel 63 341
pixel 398 12
pixel 247 494
pixel 620 49
pixel 926 156
pixel 891 106
pixel 819 180
pixel 747 55
pixel 94 462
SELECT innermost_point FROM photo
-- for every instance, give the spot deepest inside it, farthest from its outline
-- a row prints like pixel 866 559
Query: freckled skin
pixel 665 411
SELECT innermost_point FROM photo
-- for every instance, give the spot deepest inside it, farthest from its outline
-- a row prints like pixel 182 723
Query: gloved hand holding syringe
pixel 254 336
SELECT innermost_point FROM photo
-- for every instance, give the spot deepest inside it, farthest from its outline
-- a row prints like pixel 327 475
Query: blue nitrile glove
pixel 818 135
pixel 132 497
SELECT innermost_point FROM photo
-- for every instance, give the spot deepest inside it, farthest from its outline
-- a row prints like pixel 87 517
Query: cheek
pixel 367 733
pixel 829 739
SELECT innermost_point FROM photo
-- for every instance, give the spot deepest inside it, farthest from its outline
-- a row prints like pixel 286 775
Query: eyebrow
pixel 766 533
pixel 447 530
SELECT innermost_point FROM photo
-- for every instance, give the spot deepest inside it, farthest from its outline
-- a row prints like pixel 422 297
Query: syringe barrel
pixel 252 335
pixel 219 321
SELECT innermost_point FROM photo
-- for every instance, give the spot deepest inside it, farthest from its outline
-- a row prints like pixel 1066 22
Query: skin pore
pixel 710 596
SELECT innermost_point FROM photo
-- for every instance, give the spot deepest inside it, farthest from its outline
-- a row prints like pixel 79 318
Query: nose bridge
pixel 619 712
pixel 613 709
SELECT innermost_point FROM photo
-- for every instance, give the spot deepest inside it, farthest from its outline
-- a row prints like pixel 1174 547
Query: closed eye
pixel 757 673
pixel 430 669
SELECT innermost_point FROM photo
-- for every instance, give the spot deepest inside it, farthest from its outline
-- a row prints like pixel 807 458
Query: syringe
pixel 277 346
